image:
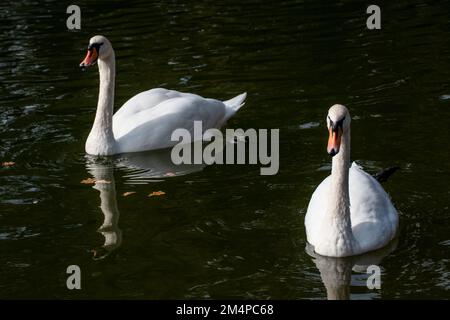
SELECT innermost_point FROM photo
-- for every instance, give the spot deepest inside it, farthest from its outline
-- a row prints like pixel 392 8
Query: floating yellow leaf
pixel 8 164
pixel 156 193
pixel 92 181
pixel 88 181
pixel 128 193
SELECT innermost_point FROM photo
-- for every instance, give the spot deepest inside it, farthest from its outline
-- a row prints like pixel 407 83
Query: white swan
pixel 147 120
pixel 349 213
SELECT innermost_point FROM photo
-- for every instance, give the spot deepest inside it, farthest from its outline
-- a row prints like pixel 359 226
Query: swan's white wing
pixel 374 218
pixel 152 128
pixel 140 102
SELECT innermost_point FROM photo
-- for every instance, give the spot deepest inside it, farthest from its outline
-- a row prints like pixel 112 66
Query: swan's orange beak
pixel 90 59
pixel 334 141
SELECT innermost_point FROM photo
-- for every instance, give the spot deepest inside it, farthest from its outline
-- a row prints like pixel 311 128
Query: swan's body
pixel 147 120
pixel 373 217
pixel 349 213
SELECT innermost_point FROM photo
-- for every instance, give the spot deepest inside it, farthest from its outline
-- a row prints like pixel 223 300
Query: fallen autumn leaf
pixel 156 193
pixel 93 181
pixel 88 181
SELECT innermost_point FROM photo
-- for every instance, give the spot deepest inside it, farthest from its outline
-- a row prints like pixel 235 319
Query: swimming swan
pixel 349 213
pixel 147 120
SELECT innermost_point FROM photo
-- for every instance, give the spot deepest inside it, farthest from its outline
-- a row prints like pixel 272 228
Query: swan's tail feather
pixel 236 103
pixel 383 175
pixel 232 106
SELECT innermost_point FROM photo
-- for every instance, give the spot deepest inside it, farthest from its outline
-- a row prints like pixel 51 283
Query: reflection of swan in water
pixel 147 166
pixel 103 174
pixel 336 273
pixel 140 168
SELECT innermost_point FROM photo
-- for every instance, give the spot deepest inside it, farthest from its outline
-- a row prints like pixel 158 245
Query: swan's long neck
pixel 337 227
pixel 339 203
pixel 101 138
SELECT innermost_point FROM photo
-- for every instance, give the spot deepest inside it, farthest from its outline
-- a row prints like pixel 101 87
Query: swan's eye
pixel 331 122
pixel 95 45
pixel 336 125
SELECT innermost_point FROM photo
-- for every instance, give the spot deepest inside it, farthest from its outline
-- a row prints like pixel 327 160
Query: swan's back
pixel 142 101
pixel 152 128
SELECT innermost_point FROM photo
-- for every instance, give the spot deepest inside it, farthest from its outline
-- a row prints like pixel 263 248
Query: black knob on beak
pixel 332 152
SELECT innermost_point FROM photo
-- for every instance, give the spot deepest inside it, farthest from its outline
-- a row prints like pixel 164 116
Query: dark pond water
pixel 219 231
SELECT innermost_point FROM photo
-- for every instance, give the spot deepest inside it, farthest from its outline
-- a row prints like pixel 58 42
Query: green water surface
pixel 220 231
